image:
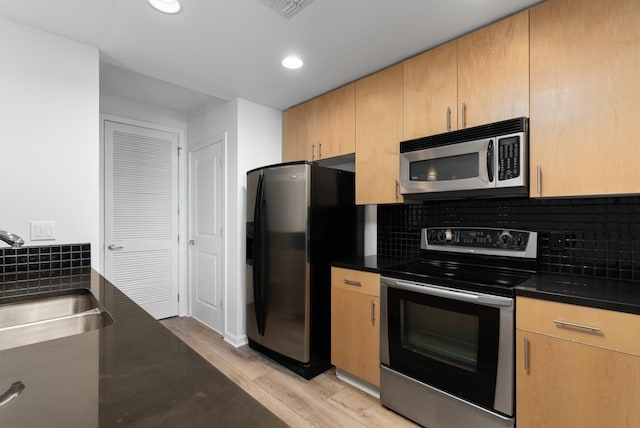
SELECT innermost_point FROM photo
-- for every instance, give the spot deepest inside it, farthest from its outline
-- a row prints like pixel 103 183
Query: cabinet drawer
pixel 591 326
pixel 356 280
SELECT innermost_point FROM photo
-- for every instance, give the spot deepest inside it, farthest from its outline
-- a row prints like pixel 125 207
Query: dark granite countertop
pixel 369 263
pixel 621 296
pixel 132 373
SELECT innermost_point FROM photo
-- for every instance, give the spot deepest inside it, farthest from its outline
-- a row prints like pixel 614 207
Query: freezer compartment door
pixel 278 307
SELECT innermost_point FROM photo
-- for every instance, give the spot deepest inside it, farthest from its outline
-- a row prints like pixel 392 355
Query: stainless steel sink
pixel 48 317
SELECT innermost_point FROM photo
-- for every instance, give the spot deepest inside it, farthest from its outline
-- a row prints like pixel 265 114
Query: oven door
pixel 457 341
pixel 461 166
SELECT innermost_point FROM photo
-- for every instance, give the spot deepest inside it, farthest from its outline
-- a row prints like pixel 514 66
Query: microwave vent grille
pixel 469 134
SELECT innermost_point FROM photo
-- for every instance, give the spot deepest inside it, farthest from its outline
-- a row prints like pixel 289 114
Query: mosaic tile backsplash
pixel 47 267
pixel 594 237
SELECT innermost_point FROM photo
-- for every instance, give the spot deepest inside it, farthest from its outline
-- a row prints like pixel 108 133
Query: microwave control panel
pixel 508 158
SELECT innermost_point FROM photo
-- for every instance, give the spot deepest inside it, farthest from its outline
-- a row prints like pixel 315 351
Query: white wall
pixel 259 144
pixel 118 106
pixel 253 139
pixel 49 140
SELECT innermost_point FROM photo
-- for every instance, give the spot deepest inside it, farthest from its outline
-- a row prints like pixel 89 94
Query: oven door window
pixel 445 343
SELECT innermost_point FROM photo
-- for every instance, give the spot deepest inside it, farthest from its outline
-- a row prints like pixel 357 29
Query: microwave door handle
pixel 490 161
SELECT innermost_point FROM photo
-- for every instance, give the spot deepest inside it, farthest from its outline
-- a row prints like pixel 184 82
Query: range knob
pixel 441 236
pixel 520 241
pixel 505 238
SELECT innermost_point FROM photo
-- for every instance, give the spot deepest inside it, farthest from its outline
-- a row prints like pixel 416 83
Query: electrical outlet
pixel 556 241
pixel 43 230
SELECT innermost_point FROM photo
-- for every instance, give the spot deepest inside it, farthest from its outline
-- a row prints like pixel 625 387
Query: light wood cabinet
pixel 480 78
pixel 320 128
pixel 379 108
pixel 355 323
pixel 336 126
pixel 431 92
pixel 493 72
pixel 299 131
pixel 585 108
pixel 573 376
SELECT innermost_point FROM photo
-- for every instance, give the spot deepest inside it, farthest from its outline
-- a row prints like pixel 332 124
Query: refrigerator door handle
pixel 257 256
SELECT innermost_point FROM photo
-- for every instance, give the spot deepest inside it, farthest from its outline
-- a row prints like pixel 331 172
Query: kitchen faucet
pixel 14 240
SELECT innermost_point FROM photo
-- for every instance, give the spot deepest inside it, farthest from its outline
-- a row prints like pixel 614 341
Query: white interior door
pixel 141 215
pixel 206 190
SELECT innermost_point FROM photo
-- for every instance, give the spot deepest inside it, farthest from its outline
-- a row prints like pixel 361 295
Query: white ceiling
pixel 233 48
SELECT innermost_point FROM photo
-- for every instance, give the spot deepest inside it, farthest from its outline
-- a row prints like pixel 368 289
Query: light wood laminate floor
pixel 323 401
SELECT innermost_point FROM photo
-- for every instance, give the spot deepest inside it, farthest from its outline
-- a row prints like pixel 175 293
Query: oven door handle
pixel 482 299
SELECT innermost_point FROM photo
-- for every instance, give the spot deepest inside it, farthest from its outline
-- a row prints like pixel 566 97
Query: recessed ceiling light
pixel 292 62
pixel 166 6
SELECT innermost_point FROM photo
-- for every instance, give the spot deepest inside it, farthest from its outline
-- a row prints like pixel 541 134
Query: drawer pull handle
pixel 352 282
pixel 574 325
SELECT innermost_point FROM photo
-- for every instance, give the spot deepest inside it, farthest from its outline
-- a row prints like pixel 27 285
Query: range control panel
pixel 471 239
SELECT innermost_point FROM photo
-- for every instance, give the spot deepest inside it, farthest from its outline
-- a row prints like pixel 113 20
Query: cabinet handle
pixel 539 179
pixel 373 312
pixel 589 328
pixel 464 115
pixel 397 190
pixel 313 151
pixel 448 118
pixel 526 355
pixel 115 247
pixel 352 282
pixel 320 151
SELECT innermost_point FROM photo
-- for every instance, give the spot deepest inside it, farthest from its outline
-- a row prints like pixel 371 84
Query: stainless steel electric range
pixel 447 327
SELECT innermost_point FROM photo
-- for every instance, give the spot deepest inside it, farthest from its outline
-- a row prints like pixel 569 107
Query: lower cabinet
pixel 355 323
pixel 563 380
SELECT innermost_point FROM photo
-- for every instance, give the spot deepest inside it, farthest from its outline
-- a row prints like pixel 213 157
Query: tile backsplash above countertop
pixel 591 237
pixel 44 268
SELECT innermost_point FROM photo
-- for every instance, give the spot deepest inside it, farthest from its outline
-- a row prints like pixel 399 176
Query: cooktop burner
pixel 490 260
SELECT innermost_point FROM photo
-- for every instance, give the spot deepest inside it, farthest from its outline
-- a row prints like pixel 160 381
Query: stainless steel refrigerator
pixel 300 217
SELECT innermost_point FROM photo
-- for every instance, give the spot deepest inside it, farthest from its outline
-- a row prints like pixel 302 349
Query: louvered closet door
pixel 141 215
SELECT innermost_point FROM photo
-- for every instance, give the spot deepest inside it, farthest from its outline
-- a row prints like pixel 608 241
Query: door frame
pixel 208 141
pixel 183 295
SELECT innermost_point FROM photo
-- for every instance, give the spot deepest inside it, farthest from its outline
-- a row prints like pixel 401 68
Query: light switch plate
pixel 43 230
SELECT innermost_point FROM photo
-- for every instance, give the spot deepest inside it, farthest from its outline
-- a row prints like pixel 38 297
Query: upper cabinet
pixel 299 132
pixel 336 124
pixel 493 72
pixel 481 78
pixel 378 136
pixel 321 128
pixel 585 108
pixel 431 92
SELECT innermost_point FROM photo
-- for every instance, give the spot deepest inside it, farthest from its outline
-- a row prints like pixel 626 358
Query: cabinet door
pixel 585 108
pixel 299 132
pixel 493 72
pixel 431 92
pixel 568 384
pixel 378 134
pixel 355 333
pixel 337 122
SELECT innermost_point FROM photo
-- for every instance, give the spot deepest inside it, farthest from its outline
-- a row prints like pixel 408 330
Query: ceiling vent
pixel 286 8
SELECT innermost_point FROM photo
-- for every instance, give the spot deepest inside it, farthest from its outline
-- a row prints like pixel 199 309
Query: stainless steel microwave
pixel 483 161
